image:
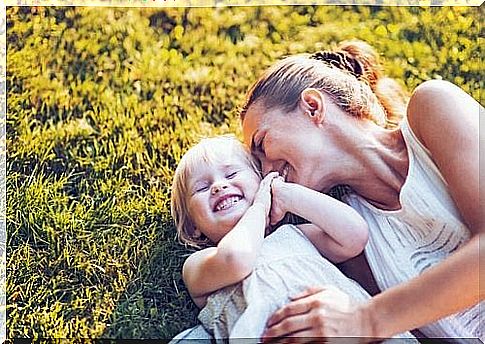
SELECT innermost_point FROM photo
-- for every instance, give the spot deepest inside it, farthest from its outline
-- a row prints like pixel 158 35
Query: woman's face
pixel 289 143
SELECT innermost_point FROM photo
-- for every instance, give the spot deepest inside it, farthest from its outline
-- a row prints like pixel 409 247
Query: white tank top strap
pixel 417 151
pixel 427 229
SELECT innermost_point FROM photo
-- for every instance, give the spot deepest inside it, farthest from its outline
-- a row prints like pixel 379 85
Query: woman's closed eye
pixel 258 147
pixel 261 146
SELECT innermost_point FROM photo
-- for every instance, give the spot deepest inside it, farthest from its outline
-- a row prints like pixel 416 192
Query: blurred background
pixel 102 103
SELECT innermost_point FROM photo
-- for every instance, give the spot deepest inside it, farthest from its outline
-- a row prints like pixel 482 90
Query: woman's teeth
pixel 227 203
pixel 285 171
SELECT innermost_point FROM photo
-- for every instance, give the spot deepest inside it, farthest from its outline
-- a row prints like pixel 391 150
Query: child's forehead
pixel 224 159
pixel 207 167
pixel 215 154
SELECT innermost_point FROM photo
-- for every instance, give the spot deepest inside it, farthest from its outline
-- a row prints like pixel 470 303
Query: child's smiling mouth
pixel 226 202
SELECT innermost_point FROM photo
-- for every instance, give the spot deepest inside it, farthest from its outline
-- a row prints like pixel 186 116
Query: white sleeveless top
pixel 288 263
pixel 428 228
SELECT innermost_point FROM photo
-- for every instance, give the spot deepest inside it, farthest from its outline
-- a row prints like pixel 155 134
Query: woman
pixel 329 119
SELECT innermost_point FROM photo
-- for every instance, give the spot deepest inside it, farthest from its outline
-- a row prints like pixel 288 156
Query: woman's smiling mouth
pixel 284 171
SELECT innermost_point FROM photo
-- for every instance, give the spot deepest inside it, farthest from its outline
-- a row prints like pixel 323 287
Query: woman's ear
pixel 312 103
pixel 197 233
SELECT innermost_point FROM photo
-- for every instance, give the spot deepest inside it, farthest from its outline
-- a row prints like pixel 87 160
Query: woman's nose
pixel 216 187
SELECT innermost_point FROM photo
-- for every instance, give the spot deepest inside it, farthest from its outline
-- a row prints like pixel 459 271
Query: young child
pixel 239 277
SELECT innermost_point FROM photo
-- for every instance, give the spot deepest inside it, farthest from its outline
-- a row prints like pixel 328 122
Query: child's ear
pixel 197 233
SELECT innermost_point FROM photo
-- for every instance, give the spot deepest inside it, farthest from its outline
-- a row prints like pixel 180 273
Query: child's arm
pixel 233 259
pixel 336 230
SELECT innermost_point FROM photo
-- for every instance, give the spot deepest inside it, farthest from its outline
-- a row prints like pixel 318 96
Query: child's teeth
pixel 227 203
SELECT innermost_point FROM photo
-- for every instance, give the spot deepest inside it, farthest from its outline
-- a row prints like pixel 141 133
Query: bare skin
pixel 238 227
pixel 452 285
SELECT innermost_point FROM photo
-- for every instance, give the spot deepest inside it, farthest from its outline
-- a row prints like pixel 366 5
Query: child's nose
pixel 216 187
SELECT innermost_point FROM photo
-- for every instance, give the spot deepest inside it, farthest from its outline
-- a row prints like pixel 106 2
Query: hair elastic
pixel 341 60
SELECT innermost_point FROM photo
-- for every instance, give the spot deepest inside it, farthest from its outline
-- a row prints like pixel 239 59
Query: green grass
pixel 101 105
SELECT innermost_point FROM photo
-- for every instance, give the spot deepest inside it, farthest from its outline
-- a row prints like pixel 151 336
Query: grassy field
pixel 101 104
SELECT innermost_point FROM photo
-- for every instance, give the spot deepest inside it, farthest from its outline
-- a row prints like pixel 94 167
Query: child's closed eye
pixel 231 175
pixel 201 188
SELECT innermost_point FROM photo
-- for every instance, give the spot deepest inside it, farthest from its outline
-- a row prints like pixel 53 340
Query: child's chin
pixel 235 214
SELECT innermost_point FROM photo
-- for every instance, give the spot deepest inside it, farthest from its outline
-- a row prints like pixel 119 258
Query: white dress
pixel 287 265
pixel 428 228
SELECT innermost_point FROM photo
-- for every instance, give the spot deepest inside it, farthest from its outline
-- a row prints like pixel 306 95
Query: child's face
pixel 219 194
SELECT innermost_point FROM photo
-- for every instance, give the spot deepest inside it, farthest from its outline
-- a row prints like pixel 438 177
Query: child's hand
pixel 279 199
pixel 263 195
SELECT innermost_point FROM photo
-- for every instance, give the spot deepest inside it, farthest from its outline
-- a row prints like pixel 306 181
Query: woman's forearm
pixel 445 289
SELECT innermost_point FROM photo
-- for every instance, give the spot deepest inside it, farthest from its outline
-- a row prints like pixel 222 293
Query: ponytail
pixel 360 60
pixel 355 57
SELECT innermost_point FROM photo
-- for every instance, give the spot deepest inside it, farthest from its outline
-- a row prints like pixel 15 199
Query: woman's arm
pixel 233 259
pixel 442 290
pixel 336 230
pixel 326 312
pixel 445 119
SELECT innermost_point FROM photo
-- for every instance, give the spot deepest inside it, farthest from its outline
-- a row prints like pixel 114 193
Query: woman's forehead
pixel 260 121
pixel 255 120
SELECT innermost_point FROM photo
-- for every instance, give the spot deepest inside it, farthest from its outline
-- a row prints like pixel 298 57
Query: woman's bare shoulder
pixel 446 120
pixel 438 108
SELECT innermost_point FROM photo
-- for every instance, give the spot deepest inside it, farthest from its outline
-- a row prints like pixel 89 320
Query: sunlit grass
pixel 102 103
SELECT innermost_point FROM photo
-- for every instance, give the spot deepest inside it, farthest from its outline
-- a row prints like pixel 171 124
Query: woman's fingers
pixel 299 337
pixel 307 292
pixel 291 324
pixel 293 308
pixel 319 312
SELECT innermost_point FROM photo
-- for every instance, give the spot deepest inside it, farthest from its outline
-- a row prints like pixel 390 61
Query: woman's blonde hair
pixel 350 74
pixel 207 151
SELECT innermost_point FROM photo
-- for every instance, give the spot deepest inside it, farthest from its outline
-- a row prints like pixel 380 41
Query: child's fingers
pixel 264 193
pixel 270 176
pixel 277 181
pixel 266 182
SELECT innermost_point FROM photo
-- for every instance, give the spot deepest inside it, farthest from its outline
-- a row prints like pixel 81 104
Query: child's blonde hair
pixel 207 151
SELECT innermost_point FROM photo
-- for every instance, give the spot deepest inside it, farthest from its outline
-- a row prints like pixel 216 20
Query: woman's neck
pixel 379 163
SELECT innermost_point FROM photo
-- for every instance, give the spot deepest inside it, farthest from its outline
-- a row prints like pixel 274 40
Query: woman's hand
pixel 320 312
